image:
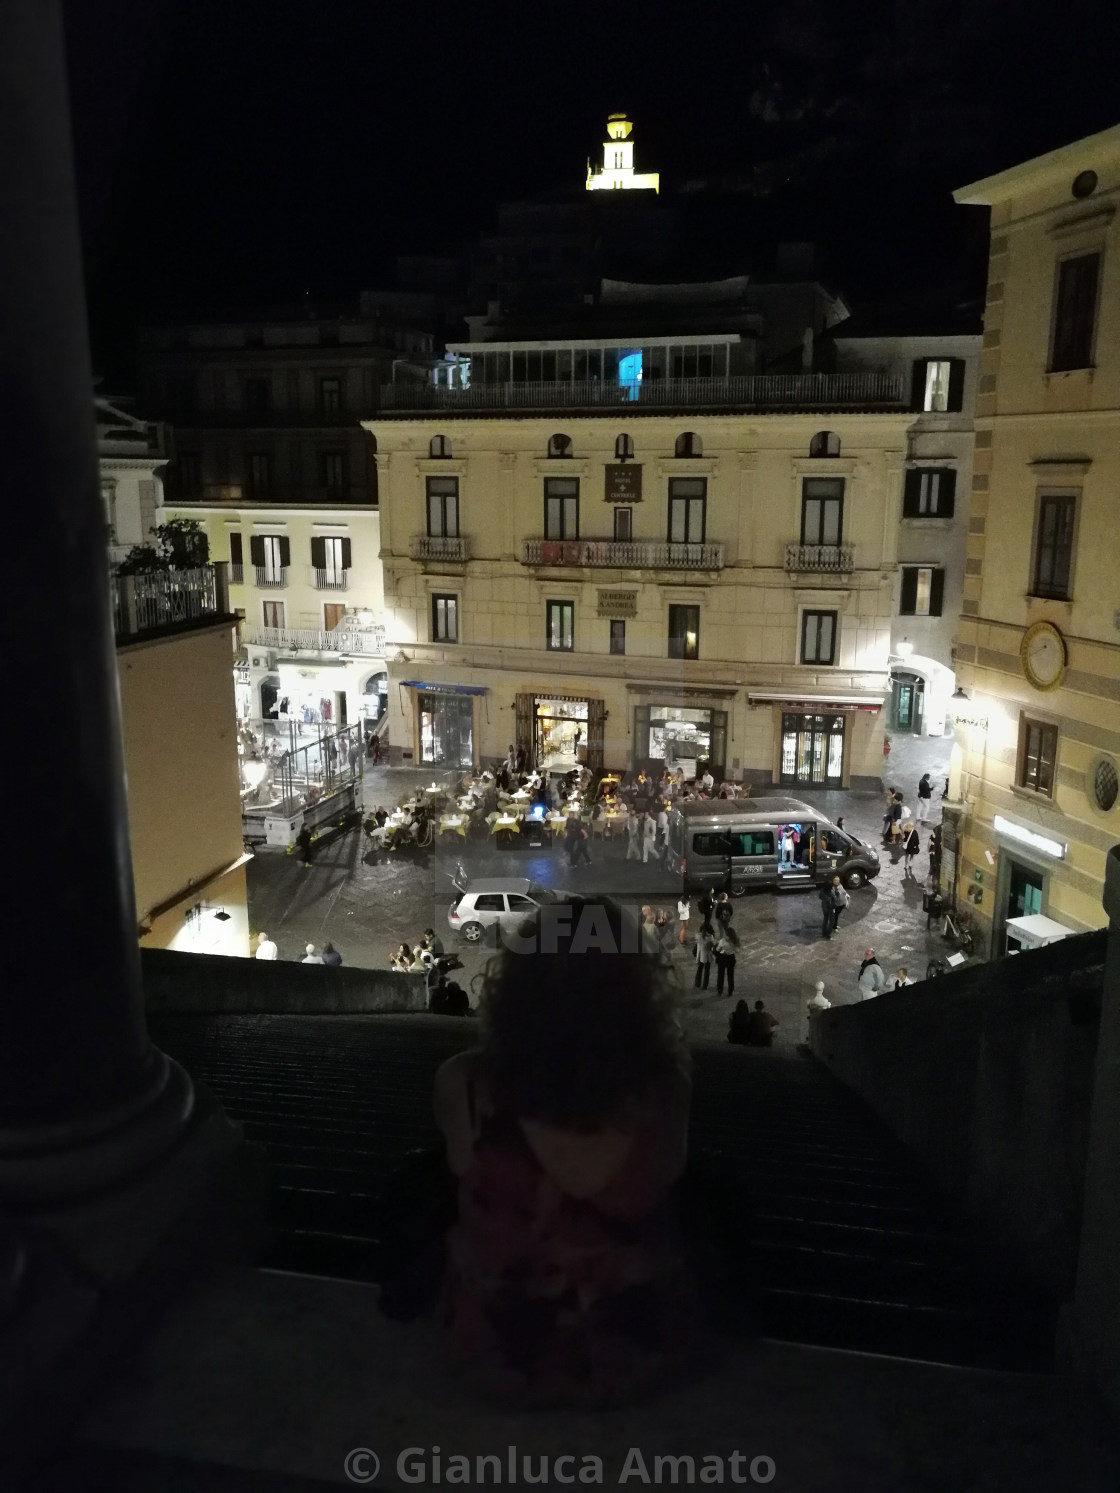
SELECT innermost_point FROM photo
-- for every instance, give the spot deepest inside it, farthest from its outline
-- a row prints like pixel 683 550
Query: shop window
pixel 446 731
pixel 929 492
pixel 825 443
pixel 822 510
pixel 561 508
pixel 439 447
pixel 818 637
pixel 1075 310
pixel 1053 550
pixel 443 507
pixel 688 501
pixel 1037 755
pixel 684 632
pixel 688 444
pixel 618 635
pixel 560 626
pixel 922 589
pixel 445 619
pixel 812 749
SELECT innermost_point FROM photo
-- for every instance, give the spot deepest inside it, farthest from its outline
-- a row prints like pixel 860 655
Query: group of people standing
pixel 716 941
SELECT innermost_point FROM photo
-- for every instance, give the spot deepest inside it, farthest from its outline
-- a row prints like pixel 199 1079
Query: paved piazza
pixel 367 903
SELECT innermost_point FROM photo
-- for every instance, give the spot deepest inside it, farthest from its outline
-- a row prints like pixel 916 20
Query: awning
pixel 1036 931
pixel 445 689
pixel 800 700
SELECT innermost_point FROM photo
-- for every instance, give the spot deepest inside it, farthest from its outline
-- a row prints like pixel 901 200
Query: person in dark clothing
pixel 925 794
pixel 840 902
pixel 705 906
pixel 303 844
pixel 739 1027
pixel 331 955
pixel 577 841
pixel 910 845
pixel 705 943
pixel 761 1029
pixel 726 947
pixel 825 895
pixel 723 910
pixel 935 854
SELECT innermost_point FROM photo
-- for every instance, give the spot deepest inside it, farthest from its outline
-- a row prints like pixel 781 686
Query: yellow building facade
pixel 1038 651
pixel 664 588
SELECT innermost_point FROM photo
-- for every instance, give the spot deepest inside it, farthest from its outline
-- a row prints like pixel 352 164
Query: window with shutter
pixel 956 385
pixel 256 549
pixel 936 592
pixel 909 594
pixel 319 552
pixel 285 551
pixel 345 543
pixel 235 553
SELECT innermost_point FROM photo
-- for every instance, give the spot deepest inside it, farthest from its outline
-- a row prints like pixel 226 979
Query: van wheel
pixel 739 888
pixel 472 932
pixel 854 879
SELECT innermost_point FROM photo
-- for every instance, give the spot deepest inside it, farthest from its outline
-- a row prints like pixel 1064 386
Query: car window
pixel 753 842
pixel 517 903
pixel 711 844
pixel 541 893
pixel 835 843
pixel 489 902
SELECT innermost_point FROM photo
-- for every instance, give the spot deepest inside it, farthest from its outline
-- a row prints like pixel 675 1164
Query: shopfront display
pixel 446 729
pixel 812 750
pixel 680 736
pixel 559 732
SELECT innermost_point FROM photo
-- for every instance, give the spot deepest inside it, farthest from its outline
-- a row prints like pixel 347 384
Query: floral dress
pixel 549 1300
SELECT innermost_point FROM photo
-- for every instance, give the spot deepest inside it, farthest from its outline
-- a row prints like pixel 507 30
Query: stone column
pixel 84 1098
pixel 1089 1329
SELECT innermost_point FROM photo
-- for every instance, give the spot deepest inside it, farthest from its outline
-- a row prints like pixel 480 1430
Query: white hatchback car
pixel 486 906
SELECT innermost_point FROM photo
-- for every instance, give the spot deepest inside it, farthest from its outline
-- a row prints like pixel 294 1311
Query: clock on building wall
pixel 1042 654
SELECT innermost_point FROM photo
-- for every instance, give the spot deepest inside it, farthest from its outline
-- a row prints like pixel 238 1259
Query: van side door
pixel 754 857
pixel 709 857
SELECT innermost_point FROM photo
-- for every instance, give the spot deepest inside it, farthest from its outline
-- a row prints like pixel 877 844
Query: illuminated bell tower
pixel 617 170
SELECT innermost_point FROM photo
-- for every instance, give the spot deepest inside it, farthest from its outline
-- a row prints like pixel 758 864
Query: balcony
pixel 820 559
pixel 368 641
pixel 776 391
pixel 271 580
pixel 439 547
pixel 236 575
pixel 331 580
pixel 622 554
pixel 167 600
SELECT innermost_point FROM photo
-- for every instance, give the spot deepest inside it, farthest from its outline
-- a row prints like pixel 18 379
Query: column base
pixel 81 1277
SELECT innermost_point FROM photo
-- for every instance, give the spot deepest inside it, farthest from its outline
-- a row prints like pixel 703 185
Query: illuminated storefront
pixel 812 750
pixel 680 736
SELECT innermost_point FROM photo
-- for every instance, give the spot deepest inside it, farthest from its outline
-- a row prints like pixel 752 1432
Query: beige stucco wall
pixel 749 609
pixel 184 806
pixel 1037 431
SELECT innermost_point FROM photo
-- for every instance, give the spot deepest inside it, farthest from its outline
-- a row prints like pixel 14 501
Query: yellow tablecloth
pixel 453 822
pixel 505 821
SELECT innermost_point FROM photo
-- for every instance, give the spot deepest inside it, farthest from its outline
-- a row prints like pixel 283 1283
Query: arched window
pixel 559 445
pixel 624 448
pixel 825 443
pixel 439 445
pixel 689 444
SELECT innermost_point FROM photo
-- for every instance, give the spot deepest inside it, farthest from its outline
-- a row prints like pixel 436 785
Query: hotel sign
pixel 624 482
pixel 618 604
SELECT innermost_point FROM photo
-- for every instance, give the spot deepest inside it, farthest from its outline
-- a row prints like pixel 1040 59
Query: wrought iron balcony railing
pixel 167 599
pixel 367 640
pixel 745 391
pixel 622 554
pixel 331 580
pixel 271 579
pixel 439 547
pixel 236 575
pixel 836 559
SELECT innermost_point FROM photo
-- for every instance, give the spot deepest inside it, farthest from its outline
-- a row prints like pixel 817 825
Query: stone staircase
pixel 846 1245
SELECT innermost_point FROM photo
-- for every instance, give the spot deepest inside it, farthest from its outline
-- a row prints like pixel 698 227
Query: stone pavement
pixel 368 903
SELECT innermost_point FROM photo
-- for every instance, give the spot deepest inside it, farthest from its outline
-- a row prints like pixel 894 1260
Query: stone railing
pixel 752 391
pixel 439 547
pixel 836 559
pixel 369 641
pixel 622 554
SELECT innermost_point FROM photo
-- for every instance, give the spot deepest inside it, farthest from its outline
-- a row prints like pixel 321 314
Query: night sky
pixel 246 153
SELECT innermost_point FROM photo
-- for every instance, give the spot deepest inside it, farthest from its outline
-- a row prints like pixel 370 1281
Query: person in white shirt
pixel 683 914
pixel 901 978
pixel 634 837
pixel 649 837
pixel 707 782
pixel 311 957
pixel 266 949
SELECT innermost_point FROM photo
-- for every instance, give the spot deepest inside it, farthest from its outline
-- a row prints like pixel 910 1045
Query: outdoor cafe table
pixel 507 822
pixel 521 796
pixel 456 822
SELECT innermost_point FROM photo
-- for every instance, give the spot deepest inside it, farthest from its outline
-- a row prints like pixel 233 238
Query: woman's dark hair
pixel 572 1037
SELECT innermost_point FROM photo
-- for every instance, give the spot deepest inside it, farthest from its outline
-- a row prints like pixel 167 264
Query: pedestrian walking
pixel 303 844
pixel 925 796
pixel 888 815
pixel 354 757
pixel 825 895
pixel 683 914
pixel 649 838
pixel 375 749
pixel 311 955
pixel 577 841
pixel 662 832
pixel 871 978
pixel 705 943
pixel 634 837
pixel 706 904
pixel 910 845
pixel 266 949
pixel 841 901
pixel 651 939
pixel 935 855
pixel 331 955
pixel 726 947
